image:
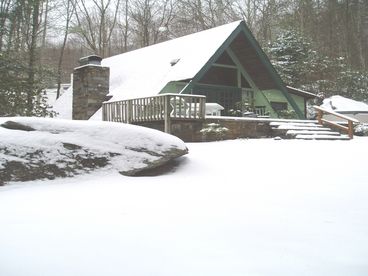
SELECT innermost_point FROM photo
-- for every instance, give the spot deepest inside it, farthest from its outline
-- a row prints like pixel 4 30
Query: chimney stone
pixel 90 87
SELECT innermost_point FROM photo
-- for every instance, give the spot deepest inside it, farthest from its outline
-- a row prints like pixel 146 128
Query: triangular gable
pixel 145 72
pixel 246 52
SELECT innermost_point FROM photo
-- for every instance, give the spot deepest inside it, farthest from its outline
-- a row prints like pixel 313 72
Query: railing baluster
pixel 153 112
pixel 155 108
pixel 195 108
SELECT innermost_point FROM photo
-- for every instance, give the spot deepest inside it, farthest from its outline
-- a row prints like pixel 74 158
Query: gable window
pixel 279 106
pixel 221 76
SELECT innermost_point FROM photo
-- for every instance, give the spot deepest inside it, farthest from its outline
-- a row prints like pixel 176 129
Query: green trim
pixel 248 78
pixel 241 68
pixel 239 75
pixel 242 28
pixel 275 76
pixel 225 66
pixel 216 86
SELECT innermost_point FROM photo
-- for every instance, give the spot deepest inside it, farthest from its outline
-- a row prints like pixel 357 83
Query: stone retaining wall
pixel 189 130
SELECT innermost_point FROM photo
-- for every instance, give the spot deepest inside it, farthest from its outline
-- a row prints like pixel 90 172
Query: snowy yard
pixel 242 207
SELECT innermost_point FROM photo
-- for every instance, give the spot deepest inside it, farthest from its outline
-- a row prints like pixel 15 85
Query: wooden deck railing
pixel 349 129
pixel 156 108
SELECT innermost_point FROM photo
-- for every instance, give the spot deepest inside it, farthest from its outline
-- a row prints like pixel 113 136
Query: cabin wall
pixel 261 100
pixel 301 103
pixel 277 96
pixel 173 87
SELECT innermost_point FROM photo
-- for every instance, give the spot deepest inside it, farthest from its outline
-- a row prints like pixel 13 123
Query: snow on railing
pixel 156 108
pixel 350 121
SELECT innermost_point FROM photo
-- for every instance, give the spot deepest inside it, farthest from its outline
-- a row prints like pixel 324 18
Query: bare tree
pixel 95 24
pixel 151 20
pixel 69 10
pixel 32 35
pixel 123 27
pixel 364 41
pixel 248 10
pixel 5 7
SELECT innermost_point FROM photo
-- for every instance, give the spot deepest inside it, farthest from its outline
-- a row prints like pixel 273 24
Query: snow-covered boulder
pixel 37 148
pixel 361 130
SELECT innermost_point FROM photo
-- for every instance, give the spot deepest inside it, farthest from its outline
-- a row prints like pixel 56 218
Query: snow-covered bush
pixel 287 114
pixel 240 108
pixel 214 131
pixel 361 130
pixel 302 66
pixel 21 95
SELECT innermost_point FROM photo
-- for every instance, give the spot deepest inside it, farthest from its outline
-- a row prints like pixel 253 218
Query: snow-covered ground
pixel 242 207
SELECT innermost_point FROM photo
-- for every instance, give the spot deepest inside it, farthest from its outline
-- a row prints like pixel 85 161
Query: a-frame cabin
pixel 239 71
pixel 226 64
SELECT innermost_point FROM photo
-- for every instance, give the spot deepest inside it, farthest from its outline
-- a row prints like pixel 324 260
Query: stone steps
pixel 305 131
pixel 321 137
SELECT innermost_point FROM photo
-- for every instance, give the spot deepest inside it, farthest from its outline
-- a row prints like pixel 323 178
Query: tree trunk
pixel 32 57
pixel 70 8
pixel 364 41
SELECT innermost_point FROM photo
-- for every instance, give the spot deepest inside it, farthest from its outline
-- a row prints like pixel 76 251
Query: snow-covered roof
pixel 146 71
pixel 304 94
pixel 341 104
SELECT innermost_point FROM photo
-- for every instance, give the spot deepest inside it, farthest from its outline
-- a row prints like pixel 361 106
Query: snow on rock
pixel 341 104
pixel 38 148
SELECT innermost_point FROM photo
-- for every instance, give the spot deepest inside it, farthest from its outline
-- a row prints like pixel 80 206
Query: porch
pixel 162 108
pixel 185 116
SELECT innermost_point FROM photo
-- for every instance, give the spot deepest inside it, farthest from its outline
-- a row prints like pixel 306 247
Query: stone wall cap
pixel 90 65
pixel 91 59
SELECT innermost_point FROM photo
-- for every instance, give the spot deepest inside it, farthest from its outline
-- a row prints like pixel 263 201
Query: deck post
pixel 167 111
pixel 104 112
pixel 350 129
pixel 129 111
pixel 202 108
pixel 319 117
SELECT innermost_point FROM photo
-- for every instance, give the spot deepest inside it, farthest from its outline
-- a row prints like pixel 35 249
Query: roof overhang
pixel 302 93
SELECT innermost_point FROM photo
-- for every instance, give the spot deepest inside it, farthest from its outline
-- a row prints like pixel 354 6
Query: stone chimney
pixel 90 87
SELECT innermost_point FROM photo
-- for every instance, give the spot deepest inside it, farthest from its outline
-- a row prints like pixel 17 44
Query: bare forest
pixel 317 45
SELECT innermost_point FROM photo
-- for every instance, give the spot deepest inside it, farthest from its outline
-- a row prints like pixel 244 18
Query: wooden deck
pixel 165 108
pixel 181 115
pixel 185 116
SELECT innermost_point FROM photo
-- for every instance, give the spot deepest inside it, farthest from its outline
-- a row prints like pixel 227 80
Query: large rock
pixel 33 148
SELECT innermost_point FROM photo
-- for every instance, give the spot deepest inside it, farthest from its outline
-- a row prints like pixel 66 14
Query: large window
pixel 225 96
pixel 279 106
